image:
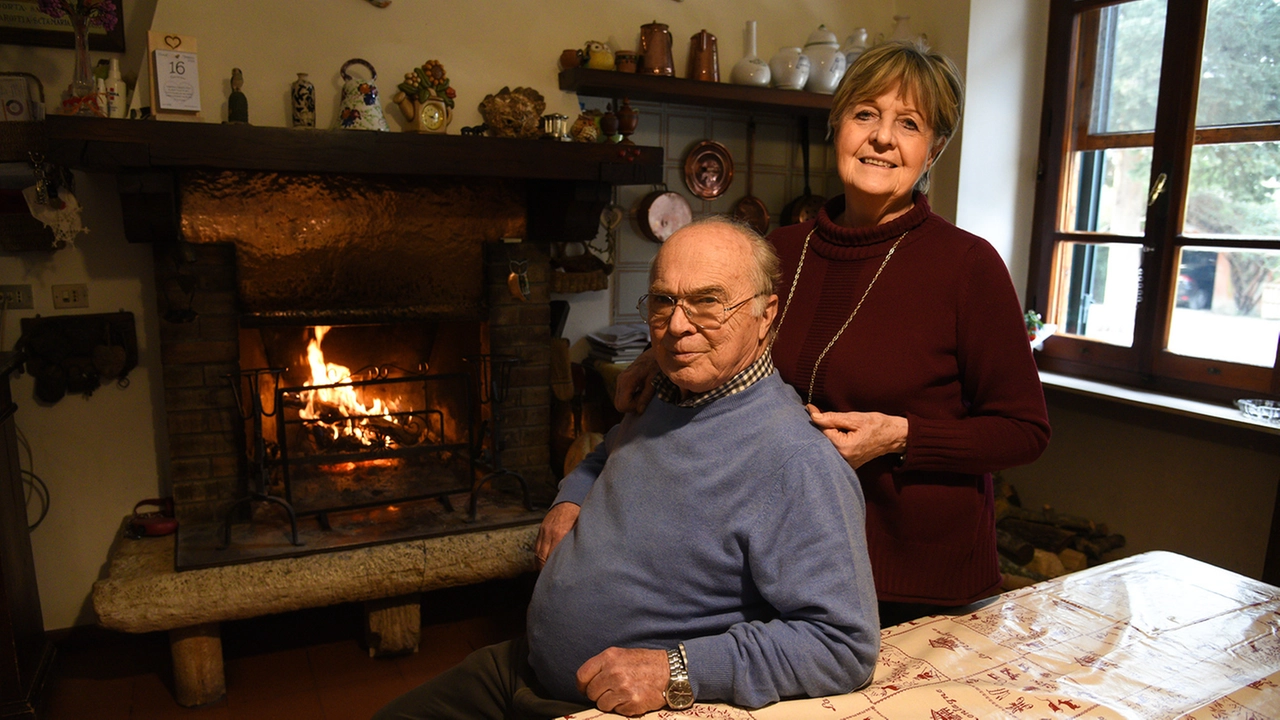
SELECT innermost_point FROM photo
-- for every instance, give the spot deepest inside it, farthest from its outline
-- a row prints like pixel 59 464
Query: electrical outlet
pixel 16 297
pixel 70 296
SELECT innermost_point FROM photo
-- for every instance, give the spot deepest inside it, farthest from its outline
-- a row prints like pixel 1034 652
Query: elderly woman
pixel 904 335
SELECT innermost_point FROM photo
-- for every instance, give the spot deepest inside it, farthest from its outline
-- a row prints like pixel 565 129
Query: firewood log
pixel 1045 537
pixel 1013 547
pixel 1095 548
pixel 1056 519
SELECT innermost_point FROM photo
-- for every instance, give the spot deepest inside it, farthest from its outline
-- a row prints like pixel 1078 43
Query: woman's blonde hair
pixel 931 79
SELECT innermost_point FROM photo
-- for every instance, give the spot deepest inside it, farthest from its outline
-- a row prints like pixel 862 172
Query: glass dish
pixel 1265 410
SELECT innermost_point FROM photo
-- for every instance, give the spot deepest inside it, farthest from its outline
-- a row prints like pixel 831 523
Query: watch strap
pixel 679 691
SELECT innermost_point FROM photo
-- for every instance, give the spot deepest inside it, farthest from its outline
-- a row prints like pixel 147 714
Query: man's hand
pixel 861 437
pixel 634 387
pixel 626 681
pixel 557 523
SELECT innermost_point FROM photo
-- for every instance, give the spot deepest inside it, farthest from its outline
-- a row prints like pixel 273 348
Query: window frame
pixel 1068 88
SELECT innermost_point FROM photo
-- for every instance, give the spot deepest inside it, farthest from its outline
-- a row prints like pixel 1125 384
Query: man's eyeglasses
pixel 706 312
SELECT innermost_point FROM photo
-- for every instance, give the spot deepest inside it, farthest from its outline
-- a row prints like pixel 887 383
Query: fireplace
pixel 406 285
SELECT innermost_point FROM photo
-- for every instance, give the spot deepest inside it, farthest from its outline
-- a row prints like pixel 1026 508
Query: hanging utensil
pixel 661 213
pixel 752 209
pixel 805 207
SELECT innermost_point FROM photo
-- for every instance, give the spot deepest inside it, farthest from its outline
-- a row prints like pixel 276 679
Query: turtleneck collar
pixel 844 243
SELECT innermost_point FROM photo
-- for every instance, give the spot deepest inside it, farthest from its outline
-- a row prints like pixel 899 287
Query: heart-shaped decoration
pixel 611 217
pixel 173 41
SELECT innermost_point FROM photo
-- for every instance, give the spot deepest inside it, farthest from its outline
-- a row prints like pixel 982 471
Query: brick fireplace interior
pixel 419 276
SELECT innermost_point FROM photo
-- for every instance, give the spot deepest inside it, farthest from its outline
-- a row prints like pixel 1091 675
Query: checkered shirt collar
pixel 756 371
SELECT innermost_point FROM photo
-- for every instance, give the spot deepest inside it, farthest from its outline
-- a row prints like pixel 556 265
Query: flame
pixel 343 398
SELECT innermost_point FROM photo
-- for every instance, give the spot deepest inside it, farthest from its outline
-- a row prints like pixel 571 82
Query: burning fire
pixel 340 408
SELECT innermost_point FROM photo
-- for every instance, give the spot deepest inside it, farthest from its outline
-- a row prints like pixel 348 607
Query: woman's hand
pixel 557 523
pixel 861 437
pixel 634 388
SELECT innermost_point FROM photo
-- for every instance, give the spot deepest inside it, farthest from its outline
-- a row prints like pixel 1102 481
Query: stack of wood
pixel 1040 544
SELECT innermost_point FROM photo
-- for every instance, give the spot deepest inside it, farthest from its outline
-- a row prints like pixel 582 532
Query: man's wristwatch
pixel 679 693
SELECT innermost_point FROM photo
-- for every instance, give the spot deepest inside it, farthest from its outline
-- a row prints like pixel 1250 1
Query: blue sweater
pixel 736 528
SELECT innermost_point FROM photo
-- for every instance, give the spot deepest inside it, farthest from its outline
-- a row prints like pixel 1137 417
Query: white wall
pixel 98 455
pixel 1002 123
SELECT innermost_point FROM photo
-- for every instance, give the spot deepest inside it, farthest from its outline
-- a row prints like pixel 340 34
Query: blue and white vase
pixel 303 94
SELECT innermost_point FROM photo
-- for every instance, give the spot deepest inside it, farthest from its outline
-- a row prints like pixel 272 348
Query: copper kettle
pixel 655 50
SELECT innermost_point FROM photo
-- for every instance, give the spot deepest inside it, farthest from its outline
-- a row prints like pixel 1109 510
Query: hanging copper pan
pixel 662 212
pixel 752 209
pixel 806 206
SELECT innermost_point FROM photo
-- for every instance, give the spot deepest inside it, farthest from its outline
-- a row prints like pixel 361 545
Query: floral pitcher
pixel 360 108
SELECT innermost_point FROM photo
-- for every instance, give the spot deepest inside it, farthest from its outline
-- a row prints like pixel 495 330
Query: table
pixel 1156 635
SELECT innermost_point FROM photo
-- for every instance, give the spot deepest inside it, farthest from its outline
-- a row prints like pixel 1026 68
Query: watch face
pixel 679 694
pixel 432 118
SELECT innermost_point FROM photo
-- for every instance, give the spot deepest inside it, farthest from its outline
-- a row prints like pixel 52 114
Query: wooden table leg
pixel 198 676
pixel 393 625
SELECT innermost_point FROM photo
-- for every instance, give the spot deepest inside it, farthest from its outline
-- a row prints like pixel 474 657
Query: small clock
pixel 433 117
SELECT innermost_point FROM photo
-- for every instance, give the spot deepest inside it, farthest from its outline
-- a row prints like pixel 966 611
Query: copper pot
pixel 703 63
pixel 655 50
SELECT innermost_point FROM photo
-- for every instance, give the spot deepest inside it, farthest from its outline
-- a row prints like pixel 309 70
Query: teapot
pixel 360 107
pixel 655 50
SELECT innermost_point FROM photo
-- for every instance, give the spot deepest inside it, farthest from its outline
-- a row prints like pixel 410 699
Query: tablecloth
pixel 1156 635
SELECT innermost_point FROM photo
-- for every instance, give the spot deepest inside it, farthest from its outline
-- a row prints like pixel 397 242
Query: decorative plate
pixel 708 169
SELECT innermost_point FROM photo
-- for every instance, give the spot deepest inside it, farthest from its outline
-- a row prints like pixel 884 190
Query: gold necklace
pixel 800 266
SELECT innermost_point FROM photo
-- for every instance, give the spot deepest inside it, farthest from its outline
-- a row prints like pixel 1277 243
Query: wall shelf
pixel 99 144
pixel 656 88
pixel 567 183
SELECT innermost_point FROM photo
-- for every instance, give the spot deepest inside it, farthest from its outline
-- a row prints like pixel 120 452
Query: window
pixel 1157 223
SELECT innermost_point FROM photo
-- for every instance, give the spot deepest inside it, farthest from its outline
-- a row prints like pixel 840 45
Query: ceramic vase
pixel 789 69
pixel 826 62
pixel 902 29
pixel 750 70
pixel 854 45
pixel 303 94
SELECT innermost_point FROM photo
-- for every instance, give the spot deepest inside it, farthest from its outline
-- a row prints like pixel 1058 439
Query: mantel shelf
pixel 656 88
pixel 99 144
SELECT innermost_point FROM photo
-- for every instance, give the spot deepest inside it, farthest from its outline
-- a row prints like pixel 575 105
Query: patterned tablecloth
pixel 1157 635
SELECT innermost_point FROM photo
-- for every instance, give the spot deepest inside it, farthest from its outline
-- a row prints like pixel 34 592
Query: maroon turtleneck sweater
pixel 940 341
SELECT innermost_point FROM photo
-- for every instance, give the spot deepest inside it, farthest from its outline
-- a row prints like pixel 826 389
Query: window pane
pixel 1126 79
pixel 1240 67
pixel 1227 305
pixel 1097 291
pixel 1233 190
pixel 1110 195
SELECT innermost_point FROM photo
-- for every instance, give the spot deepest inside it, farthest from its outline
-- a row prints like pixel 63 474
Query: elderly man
pixel 710 549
